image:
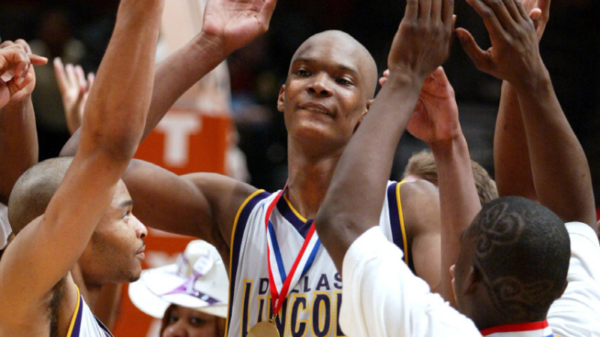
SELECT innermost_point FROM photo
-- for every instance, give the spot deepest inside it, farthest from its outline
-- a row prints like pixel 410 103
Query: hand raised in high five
pixel 424 37
pixel 436 116
pixel 514 55
pixel 235 23
pixel 17 77
pixel 74 90
pixel 539 12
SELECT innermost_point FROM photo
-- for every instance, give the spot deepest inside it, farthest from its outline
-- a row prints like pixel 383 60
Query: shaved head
pixel 358 57
pixel 34 190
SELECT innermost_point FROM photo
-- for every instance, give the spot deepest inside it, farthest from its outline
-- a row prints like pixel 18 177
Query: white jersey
pixel 84 323
pixel 313 305
pixel 5 229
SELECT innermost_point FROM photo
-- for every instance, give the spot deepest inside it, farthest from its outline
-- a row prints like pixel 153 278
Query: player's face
pixel 116 250
pixel 325 95
pixel 181 321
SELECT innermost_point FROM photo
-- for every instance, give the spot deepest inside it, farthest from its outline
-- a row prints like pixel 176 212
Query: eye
pixel 172 319
pixel 126 215
pixel 344 81
pixel 302 73
pixel 197 321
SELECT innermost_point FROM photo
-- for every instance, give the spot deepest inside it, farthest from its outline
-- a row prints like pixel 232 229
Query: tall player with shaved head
pixel 280 275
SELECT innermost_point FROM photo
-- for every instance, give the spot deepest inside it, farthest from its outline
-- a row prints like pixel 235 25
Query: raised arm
pixel 18 136
pixel 436 122
pixel 511 153
pixel 560 171
pixel 421 44
pixel 111 130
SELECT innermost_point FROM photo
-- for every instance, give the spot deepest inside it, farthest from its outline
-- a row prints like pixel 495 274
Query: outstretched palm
pixel 237 22
pixel 436 115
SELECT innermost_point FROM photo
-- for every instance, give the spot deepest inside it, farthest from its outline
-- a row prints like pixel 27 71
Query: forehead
pixel 333 50
pixel 121 196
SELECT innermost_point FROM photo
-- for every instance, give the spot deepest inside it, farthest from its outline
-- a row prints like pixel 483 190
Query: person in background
pixel 190 296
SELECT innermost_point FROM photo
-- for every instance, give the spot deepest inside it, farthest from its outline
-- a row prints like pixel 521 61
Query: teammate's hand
pixel 235 23
pixel 424 37
pixel 17 77
pixel 514 55
pixel 539 12
pixel 436 116
pixel 74 90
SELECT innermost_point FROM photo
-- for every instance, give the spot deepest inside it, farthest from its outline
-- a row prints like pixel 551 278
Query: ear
pixel 472 281
pixel 362 116
pixel 281 99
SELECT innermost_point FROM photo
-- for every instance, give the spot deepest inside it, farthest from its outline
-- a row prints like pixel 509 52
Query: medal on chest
pixel 280 283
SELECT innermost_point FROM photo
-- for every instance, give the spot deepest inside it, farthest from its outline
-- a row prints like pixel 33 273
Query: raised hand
pixel 514 55
pixel 539 12
pixel 74 90
pixel 235 23
pixel 436 116
pixel 17 77
pixel 423 40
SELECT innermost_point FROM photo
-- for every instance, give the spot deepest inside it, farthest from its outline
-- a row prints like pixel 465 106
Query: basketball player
pixel 330 85
pixel 88 219
pixel 514 256
pixel 18 136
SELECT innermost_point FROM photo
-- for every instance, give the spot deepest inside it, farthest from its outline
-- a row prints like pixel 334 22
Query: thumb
pixel 470 47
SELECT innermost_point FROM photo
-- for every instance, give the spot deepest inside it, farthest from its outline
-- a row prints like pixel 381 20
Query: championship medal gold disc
pixel 264 329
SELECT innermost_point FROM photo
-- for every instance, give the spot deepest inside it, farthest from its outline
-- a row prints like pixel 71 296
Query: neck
pixel 308 179
pixel 90 292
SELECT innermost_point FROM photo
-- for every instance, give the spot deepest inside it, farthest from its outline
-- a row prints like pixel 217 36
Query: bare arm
pixel 511 152
pixel 18 136
pixel 560 171
pixel 112 128
pixel 421 44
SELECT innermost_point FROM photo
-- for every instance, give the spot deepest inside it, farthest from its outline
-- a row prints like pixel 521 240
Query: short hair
pixel 34 190
pixel 522 251
pixel 422 164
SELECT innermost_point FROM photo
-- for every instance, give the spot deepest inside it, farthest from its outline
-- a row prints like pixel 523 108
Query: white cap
pixel 198 281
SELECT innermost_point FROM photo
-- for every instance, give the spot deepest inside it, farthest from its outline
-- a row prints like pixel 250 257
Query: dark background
pixel 570 48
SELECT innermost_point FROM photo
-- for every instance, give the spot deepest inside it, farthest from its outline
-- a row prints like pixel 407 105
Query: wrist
pixel 449 148
pixel 533 81
pixel 399 77
pixel 211 46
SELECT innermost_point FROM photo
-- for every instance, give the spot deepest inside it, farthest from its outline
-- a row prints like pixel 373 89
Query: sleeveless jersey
pixel 312 306
pixel 84 323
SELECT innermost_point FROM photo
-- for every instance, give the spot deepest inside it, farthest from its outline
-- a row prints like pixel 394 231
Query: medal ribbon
pixel 279 282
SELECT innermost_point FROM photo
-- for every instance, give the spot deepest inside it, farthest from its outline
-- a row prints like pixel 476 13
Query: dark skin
pixel 558 167
pixel 420 45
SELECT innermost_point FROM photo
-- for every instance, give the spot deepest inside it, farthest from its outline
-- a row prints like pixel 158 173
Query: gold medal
pixel 264 329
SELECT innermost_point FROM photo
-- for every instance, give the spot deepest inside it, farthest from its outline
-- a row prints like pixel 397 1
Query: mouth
pixel 141 252
pixel 315 107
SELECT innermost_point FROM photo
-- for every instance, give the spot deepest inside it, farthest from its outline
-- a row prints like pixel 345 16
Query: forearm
pixel 560 168
pixel 116 109
pixel 175 75
pixel 511 153
pixel 18 144
pixel 459 202
pixel 355 197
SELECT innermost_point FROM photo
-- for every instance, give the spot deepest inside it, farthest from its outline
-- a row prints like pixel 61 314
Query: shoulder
pixel 420 205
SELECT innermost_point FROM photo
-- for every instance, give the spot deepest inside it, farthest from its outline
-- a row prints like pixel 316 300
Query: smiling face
pixel 116 249
pixel 329 84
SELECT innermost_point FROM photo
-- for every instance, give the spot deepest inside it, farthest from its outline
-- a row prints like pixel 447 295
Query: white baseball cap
pixel 197 281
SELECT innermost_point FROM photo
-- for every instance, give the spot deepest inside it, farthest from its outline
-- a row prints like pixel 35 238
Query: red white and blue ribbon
pixel 281 283
pixel 534 329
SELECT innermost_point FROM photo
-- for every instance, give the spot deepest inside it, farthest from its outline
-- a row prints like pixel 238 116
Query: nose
pixel 140 230
pixel 175 330
pixel 320 85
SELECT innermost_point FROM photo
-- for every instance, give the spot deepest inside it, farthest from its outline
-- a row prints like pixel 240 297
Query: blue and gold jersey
pixel 84 323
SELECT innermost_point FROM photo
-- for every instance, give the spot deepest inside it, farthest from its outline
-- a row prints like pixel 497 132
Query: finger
pixel 513 10
pixel 436 10
pixel 267 12
pixel 90 78
pixel 493 26
pixel 5 44
pixel 37 60
pixel 412 10
pixel 448 11
pixel 25 45
pixel 500 12
pixel 59 70
pixel 439 75
pixel 424 9
pixel 477 55
pixel 80 74
pixel 382 81
pixel 71 77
